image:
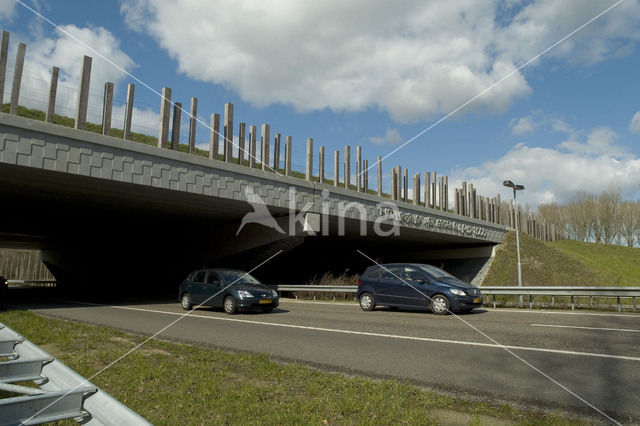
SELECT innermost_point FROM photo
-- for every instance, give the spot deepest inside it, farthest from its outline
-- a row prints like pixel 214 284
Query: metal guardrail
pixel 61 393
pixel 34 283
pixel 572 292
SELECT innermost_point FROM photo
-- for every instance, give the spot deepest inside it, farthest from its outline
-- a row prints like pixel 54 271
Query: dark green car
pixel 229 289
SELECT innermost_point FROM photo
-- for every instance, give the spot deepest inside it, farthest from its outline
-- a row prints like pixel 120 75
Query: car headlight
pixel 274 293
pixel 244 294
pixel 458 292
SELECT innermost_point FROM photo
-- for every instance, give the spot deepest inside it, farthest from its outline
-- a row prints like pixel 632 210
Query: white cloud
pixel 523 126
pixel 7 10
pixel 634 126
pixel 599 142
pixel 391 137
pixel 552 175
pixel 414 60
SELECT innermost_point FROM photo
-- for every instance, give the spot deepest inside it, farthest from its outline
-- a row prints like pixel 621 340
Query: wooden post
pixel 228 132
pixel 321 165
pixel 128 112
pixel 264 141
pixel 379 176
pixel 107 104
pixel 17 79
pixel 214 137
pixel 309 162
pixel 241 143
pixel 163 134
pixel 252 145
pixel 53 90
pixel 276 153
pixel 175 126
pixel 193 117
pixel 347 166
pixel 83 93
pixel 4 53
pixel 336 168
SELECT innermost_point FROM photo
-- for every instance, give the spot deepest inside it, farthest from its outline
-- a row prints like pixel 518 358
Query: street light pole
pixel 515 188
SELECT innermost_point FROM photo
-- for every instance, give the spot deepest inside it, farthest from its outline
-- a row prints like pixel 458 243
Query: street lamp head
pixel 508 184
pixel 518 187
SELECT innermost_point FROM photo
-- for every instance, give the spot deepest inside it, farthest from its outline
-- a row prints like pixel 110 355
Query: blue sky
pixel 370 74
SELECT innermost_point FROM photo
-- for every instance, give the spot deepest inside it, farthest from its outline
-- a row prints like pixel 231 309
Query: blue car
pixel 229 289
pixel 415 286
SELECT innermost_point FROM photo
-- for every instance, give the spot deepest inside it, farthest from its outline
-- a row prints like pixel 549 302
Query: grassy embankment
pixel 171 383
pixel 564 263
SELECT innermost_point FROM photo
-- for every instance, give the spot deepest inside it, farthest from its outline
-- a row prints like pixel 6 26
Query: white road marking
pixel 364 333
pixel 626 330
pixel 532 311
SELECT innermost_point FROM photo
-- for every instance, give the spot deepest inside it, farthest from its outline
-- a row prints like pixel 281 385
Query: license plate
pixel 477 300
pixel 265 301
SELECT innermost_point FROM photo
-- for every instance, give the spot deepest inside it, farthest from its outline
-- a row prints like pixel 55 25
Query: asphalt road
pixel 582 362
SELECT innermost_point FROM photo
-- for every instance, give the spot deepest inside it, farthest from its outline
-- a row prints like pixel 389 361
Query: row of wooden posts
pixel 435 189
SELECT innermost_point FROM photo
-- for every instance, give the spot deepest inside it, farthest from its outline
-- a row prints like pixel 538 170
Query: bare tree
pixel 608 215
pixel 581 216
pixel 630 222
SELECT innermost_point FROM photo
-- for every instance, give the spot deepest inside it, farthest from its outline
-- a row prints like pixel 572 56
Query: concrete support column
pixel 474 200
pixel 4 53
pixel 241 143
pixel 456 201
pixel 107 105
pixel 398 183
pixel 465 200
pixel 228 132
pixel 347 166
pixel 441 193
pixel 336 168
pixel 193 117
pixel 309 162
pixel 358 168
pixel 379 163
pixel 394 184
pixel 276 153
pixel 165 104
pixel 405 192
pixel 416 189
pixel 214 136
pixel 446 193
pixel 287 155
pixel 53 90
pixel 17 81
pixel 321 165
pixel 497 210
pixel 427 189
pixel 264 142
pixel 175 128
pixel 252 145
pixel 434 190
pixel 365 176
pixel 128 111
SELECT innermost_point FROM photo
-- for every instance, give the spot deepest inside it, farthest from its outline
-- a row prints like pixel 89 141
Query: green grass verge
pixel 563 263
pixel 170 383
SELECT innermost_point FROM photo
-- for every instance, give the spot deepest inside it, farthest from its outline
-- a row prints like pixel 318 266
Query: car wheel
pixel 229 305
pixel 186 302
pixel 439 305
pixel 367 302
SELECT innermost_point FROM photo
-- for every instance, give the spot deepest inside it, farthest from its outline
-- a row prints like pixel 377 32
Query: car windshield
pixel 231 277
pixel 436 272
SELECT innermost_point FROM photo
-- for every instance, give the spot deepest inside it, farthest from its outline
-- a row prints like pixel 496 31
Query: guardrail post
pixel 494 301
pixel 572 304
pixel 634 302
pixel 619 306
pixel 531 301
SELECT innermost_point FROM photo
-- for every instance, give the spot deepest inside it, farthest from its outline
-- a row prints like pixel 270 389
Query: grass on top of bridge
pixel 564 263
pixel 171 383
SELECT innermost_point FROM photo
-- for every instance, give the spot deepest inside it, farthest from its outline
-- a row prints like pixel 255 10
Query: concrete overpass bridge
pixel 106 209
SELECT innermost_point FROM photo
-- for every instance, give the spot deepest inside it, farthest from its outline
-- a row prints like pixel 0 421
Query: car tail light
pixel 359 282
